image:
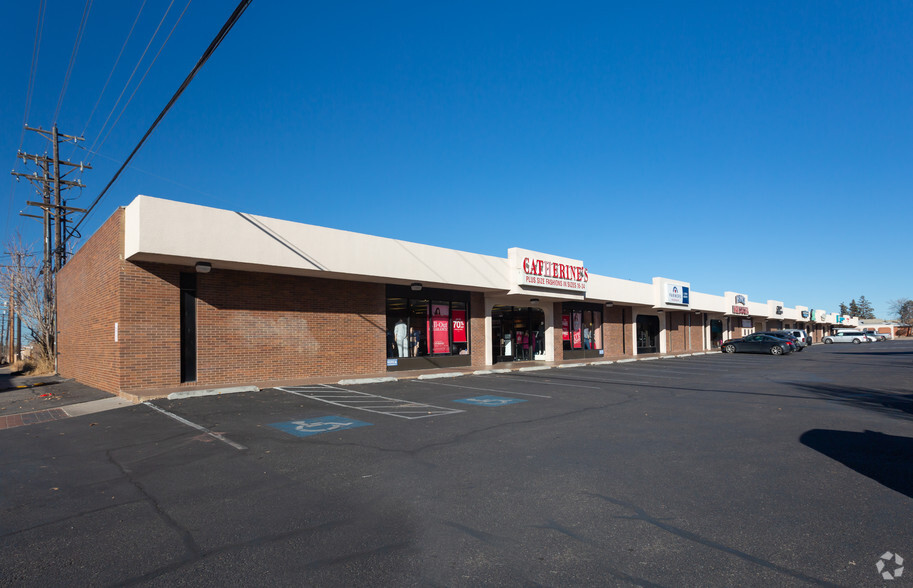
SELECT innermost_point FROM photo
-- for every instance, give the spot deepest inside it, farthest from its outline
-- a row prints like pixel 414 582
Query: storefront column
pixel 489 343
pixel 664 323
pixel 549 310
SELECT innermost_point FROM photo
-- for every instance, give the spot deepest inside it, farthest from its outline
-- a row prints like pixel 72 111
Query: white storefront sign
pixel 674 293
pixel 539 270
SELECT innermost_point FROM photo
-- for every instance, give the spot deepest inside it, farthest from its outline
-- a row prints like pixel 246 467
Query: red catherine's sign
pixel 740 310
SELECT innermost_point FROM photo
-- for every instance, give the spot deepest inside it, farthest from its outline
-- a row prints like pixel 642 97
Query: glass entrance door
pixel 647 334
pixel 517 333
pixel 716 332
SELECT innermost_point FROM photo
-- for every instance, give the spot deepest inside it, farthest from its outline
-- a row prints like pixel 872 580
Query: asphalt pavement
pixel 710 470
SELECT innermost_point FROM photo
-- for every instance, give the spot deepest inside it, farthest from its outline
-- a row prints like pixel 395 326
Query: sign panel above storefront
pixel 736 309
pixel 676 294
pixel 534 270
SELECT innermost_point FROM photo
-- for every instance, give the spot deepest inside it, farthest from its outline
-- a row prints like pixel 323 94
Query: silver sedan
pixel 856 337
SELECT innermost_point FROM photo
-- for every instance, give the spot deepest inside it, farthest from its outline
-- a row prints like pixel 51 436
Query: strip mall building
pixel 168 295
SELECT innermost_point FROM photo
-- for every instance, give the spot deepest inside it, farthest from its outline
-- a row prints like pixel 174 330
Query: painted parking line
pixel 368 402
pixel 544 380
pixel 316 426
pixel 490 401
pixel 212 434
pixel 551 381
pixel 654 372
pixel 486 389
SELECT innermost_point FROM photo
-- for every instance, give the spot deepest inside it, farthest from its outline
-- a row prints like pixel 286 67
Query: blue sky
pixel 736 147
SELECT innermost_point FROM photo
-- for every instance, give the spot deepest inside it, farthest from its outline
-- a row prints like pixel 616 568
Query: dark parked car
pixel 758 343
pixel 800 334
pixel 798 345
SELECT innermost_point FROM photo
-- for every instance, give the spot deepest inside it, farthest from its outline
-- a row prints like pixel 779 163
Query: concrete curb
pixel 210 392
pixel 444 375
pixel 357 381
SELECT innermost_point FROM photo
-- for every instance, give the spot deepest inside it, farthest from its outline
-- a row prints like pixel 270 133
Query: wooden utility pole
pixel 54 215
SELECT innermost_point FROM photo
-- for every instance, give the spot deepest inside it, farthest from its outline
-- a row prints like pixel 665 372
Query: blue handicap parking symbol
pixel 490 400
pixel 327 424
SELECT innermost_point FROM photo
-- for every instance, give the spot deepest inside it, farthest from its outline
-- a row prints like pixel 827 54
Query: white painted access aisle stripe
pixel 368 402
pixel 212 434
pixel 499 391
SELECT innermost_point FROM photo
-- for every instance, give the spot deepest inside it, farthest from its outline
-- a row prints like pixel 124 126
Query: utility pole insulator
pixel 50 183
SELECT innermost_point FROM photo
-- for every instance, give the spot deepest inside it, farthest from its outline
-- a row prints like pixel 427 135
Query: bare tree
pixel 902 308
pixel 23 283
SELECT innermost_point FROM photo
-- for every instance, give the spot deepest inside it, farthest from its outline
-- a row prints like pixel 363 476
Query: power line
pixel 239 10
pixel 66 78
pixel 113 68
pixel 146 73
pixel 132 73
pixel 28 103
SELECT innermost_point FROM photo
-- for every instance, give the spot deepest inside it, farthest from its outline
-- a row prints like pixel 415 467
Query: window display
pixel 581 325
pixel 425 324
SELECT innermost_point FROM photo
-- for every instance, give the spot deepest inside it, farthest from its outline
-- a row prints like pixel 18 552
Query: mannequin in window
pixel 587 337
pixel 400 332
pixel 415 337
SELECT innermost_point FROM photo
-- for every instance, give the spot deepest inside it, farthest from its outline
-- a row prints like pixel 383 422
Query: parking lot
pixel 711 469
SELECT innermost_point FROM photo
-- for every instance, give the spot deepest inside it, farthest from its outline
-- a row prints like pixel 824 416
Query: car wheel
pixel 776 350
pixel 828 341
pixel 728 348
pixel 857 341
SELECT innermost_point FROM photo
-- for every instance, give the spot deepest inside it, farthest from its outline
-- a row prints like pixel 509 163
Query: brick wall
pixel 557 337
pixel 251 327
pixel 697 332
pixel 477 329
pixel 150 330
pixel 616 332
pixel 682 336
pixel 676 325
pixel 88 289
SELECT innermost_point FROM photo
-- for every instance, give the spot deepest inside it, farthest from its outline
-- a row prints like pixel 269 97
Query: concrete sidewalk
pixel 26 400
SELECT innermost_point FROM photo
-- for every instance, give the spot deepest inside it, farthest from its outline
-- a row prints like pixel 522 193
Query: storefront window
pixel 418 327
pixel 425 325
pixel 581 330
pixel 458 322
pixel 397 328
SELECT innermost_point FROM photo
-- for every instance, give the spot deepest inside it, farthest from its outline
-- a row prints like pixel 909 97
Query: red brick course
pixel 252 327
pixel 88 306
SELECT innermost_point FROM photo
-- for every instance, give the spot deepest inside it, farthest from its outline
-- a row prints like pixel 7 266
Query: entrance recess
pixel 517 333
pixel 647 334
pixel 716 332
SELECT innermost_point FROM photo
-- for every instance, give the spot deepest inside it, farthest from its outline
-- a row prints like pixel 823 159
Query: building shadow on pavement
pixel 883 458
pixel 897 404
